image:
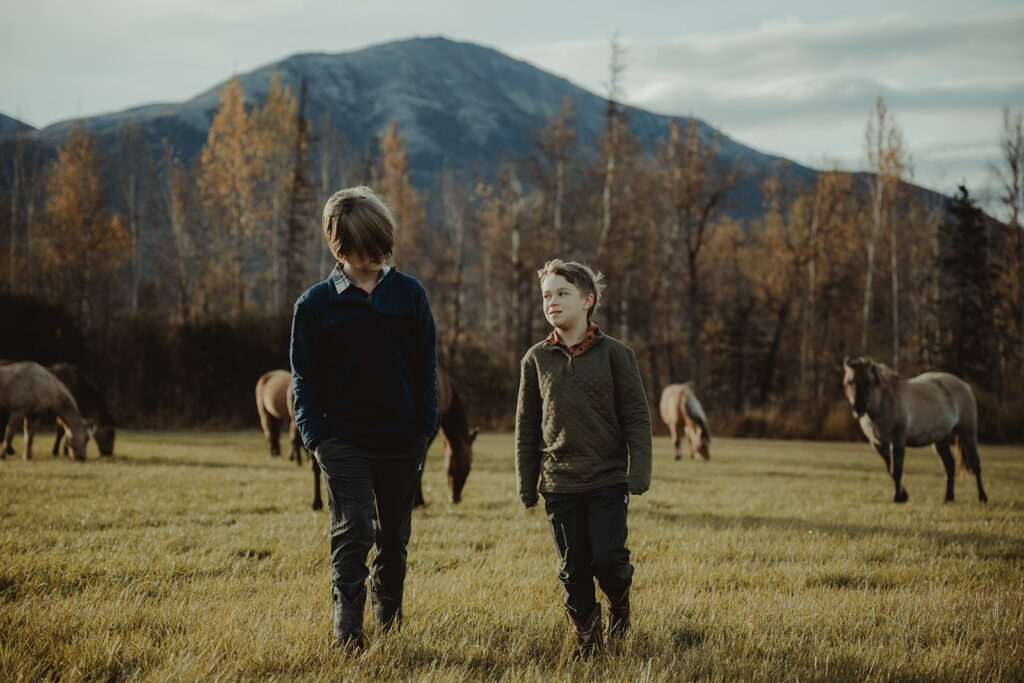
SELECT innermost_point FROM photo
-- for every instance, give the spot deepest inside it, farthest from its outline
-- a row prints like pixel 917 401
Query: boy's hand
pixel 529 500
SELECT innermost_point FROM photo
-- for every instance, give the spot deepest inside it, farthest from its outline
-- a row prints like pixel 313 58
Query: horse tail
pixel 260 407
pixel 968 451
pixel 696 412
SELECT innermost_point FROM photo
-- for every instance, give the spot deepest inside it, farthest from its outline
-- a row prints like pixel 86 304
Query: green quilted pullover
pixel 582 421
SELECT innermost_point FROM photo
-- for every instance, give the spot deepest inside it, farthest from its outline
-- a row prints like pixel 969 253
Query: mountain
pixel 457 105
pixel 10 125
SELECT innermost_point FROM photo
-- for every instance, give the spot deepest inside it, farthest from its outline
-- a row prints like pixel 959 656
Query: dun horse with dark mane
pixel 935 408
pixel 90 404
pixel 28 389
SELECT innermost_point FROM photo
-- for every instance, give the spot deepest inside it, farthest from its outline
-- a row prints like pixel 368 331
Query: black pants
pixel 590 536
pixel 370 495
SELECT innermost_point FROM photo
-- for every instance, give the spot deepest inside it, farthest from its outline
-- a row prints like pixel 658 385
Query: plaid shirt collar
pixel 341 281
pixel 576 349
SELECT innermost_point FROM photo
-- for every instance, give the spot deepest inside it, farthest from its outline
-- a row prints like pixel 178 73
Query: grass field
pixel 194 556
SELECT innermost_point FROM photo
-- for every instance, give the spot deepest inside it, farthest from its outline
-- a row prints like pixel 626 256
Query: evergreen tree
pixel 966 291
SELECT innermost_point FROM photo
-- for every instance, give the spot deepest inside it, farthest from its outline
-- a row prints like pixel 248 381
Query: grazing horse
pixel 274 404
pixel 458 442
pixel 679 403
pixel 28 389
pixel 934 408
pixel 90 404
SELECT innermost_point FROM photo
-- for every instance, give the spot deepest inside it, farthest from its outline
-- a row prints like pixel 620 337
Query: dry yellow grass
pixel 193 556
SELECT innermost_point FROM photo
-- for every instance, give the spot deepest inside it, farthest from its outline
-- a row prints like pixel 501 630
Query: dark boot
pixel 348 619
pixel 588 634
pixel 617 614
pixel 387 608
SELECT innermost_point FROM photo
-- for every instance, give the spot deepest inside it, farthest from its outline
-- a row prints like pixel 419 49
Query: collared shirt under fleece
pixel 364 366
pixel 582 422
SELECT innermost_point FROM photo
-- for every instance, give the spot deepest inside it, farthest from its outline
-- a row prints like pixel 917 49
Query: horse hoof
pixel 678 457
pixel 318 506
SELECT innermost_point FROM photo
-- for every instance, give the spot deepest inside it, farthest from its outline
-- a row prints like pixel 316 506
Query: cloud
pixel 805 90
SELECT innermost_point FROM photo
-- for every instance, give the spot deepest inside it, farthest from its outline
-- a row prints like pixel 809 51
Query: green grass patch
pixel 196 556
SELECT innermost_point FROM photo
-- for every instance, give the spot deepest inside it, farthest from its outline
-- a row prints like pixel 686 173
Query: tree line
pixel 172 280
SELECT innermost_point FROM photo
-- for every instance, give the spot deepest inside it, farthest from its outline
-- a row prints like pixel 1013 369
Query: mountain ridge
pixel 458 105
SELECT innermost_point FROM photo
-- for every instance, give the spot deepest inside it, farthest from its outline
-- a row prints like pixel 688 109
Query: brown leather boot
pixel 616 612
pixel 588 634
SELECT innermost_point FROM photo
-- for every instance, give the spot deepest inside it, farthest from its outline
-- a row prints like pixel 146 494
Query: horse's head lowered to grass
pixel 458 457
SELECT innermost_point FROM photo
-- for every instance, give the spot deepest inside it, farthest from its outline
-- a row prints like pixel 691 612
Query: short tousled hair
pixel 357 223
pixel 587 280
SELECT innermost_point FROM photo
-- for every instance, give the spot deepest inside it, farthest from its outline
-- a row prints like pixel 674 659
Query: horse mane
pixel 695 410
pixel 87 396
pixel 885 373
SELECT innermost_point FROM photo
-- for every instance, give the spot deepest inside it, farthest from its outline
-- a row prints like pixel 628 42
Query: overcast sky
pixel 789 77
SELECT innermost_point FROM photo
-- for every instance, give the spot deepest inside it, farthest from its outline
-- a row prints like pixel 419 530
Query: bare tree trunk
pixel 893 262
pixel 693 289
pixel 559 199
pixel 16 181
pixel 876 219
pixel 612 122
pixel 807 333
pixel 609 179
pixel 276 275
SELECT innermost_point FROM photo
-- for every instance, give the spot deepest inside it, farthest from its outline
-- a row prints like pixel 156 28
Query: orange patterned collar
pixel 576 349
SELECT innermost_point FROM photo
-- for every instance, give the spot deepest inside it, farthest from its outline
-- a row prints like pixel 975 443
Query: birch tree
pixel 887 162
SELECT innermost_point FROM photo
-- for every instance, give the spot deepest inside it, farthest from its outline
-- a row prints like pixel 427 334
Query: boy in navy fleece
pixel 364 377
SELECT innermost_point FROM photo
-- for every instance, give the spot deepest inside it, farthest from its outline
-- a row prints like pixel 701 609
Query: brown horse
pixel 90 404
pixel 274 404
pixel 935 408
pixel 28 389
pixel 458 442
pixel 680 404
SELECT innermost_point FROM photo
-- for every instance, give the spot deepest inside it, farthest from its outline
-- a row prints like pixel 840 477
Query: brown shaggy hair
pixel 580 275
pixel 356 222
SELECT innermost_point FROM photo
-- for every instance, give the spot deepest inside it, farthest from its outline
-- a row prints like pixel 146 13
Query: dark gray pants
pixel 370 495
pixel 590 536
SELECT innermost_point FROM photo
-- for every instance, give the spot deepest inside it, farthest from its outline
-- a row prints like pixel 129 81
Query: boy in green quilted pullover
pixel 583 440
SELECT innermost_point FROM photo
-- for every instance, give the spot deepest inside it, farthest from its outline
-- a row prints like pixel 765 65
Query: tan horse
pixel 274 404
pixel 680 404
pixel 28 389
pixel 935 408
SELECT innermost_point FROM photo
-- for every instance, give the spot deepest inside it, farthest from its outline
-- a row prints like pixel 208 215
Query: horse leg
pixel 6 449
pixel 318 502
pixel 942 449
pixel 885 450
pixel 274 436
pixel 56 442
pixel 296 441
pixel 29 433
pixel 969 456
pixel 674 429
pixel 899 449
